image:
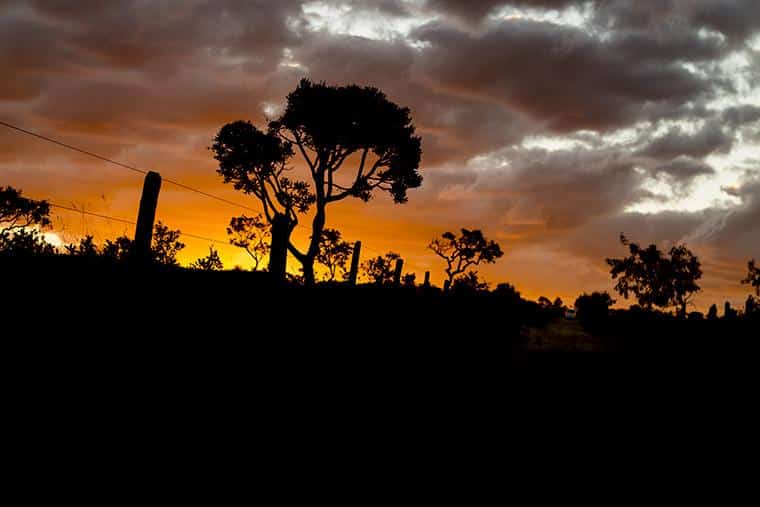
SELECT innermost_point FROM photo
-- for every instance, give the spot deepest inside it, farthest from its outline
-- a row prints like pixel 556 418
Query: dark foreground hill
pixel 68 316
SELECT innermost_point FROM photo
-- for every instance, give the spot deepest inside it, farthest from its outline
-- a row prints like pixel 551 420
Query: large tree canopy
pixel 329 124
pixel 329 128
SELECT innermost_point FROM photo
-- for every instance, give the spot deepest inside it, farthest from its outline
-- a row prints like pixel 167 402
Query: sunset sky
pixel 552 125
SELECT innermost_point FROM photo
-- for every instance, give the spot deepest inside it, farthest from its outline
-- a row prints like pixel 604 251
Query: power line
pixel 134 169
pixel 129 222
pixel 120 164
pixel 74 148
pixel 121 220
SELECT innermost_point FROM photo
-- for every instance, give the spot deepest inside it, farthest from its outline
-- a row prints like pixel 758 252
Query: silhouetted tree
pixel 251 234
pixel 409 280
pixel 712 313
pixel 334 253
pixel 655 279
pixel 166 245
pixel 469 283
pixel 593 309
pixel 17 215
pixel 380 270
pixel 18 212
pixel 211 262
pixel 558 303
pixel 471 248
pixel 545 302
pixel 753 276
pixel 256 163
pixel 329 126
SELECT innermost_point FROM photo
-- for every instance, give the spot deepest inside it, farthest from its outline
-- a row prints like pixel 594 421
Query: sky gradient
pixel 552 125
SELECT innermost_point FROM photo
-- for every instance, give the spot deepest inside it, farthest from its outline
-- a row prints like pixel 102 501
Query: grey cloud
pixel 711 138
pixel 502 65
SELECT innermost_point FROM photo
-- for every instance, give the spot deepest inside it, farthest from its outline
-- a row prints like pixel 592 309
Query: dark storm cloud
pixel 455 128
pixel 684 168
pixel 677 142
pixel 502 65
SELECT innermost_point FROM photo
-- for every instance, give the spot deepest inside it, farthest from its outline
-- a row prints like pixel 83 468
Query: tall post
pixel 146 217
pixel 427 280
pixel 355 263
pixel 397 273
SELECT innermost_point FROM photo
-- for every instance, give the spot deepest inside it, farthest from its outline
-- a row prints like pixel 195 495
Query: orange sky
pixel 551 129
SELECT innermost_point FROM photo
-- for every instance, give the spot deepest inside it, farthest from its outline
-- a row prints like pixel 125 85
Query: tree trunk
pixel 278 254
pixel 317 227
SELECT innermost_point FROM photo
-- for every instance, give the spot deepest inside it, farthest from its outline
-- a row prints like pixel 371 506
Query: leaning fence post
pixel 397 273
pixel 355 263
pixel 146 216
pixel 427 280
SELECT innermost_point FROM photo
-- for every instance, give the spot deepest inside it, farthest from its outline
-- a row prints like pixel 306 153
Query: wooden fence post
pixel 397 273
pixel 427 280
pixel 355 263
pixel 146 217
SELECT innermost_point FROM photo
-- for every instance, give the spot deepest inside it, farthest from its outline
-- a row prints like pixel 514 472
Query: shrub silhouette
pixel 211 262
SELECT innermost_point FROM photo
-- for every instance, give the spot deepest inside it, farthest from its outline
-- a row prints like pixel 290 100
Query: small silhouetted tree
pixel 166 245
pixel 593 309
pixel 461 253
pixel 469 283
pixel 211 262
pixel 753 276
pixel 380 270
pixel 334 253
pixel 329 127
pixel 252 234
pixel 558 303
pixel 545 302
pixel 656 279
pixel 712 313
